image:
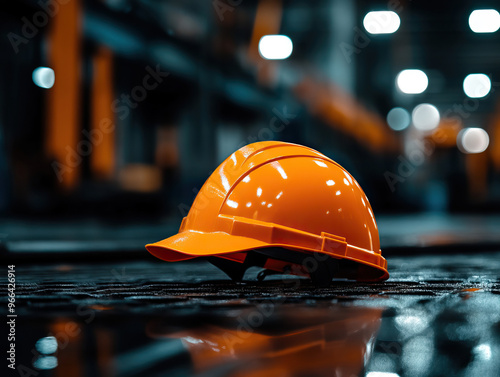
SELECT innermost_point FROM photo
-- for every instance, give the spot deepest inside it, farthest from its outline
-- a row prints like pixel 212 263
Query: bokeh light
pixel 381 22
pixel 398 119
pixel 46 345
pixel 412 81
pixel 484 21
pixel 425 117
pixel 477 85
pixel 473 140
pixel 275 47
pixel 44 77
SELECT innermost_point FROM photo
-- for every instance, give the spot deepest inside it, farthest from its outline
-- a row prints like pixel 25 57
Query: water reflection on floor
pixel 436 316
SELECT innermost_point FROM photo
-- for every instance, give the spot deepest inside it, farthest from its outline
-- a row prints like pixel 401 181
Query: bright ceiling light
pixel 484 21
pixel 275 47
pixel 381 22
pixel 477 85
pixel 473 140
pixel 44 77
pixel 412 81
pixel 425 117
pixel 398 119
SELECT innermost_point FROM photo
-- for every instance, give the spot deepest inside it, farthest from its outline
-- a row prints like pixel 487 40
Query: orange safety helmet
pixel 286 208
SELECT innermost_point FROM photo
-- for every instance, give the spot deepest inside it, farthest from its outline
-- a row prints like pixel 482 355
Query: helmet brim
pixel 192 244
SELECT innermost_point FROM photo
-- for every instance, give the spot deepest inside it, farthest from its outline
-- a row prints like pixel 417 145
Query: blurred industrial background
pixel 122 108
pixel 113 113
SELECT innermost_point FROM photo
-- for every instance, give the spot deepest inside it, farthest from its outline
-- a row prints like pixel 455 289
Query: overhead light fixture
pixel 425 117
pixel 381 22
pixel 477 85
pixel 412 81
pixel 484 21
pixel 398 119
pixel 44 77
pixel 473 140
pixel 275 47
pixel 382 374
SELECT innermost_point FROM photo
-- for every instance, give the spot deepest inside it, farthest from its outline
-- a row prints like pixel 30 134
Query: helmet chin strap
pixel 321 273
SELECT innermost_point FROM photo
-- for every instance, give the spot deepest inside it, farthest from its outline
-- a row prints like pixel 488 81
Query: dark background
pixel 337 86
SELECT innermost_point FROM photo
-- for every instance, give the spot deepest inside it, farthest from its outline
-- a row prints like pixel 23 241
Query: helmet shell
pixel 276 194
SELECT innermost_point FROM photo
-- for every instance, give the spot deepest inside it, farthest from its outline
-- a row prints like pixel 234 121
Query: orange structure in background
pixel 63 115
pixel 494 149
pixel 267 21
pixel 445 134
pixel 102 160
pixel 341 111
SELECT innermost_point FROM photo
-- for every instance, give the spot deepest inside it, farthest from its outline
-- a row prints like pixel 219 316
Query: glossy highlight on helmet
pixel 274 195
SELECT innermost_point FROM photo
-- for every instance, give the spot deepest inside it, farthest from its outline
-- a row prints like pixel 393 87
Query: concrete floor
pixel 437 315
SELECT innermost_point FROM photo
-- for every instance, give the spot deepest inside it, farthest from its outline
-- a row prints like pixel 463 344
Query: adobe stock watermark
pixel 361 39
pixel 280 120
pixel 420 150
pixel 276 125
pixel 31 27
pixel 221 7
pixel 121 107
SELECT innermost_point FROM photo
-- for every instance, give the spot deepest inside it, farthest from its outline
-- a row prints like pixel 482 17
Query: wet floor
pixel 438 315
